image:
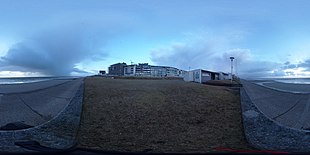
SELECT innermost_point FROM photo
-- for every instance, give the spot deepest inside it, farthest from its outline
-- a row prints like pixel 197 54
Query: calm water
pixel 19 80
pixel 295 80
pixel 287 80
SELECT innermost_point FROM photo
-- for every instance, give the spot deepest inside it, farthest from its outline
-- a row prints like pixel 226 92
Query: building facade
pixel 117 69
pixel 130 70
pixel 202 76
pixel 101 72
pixel 144 70
pixel 224 76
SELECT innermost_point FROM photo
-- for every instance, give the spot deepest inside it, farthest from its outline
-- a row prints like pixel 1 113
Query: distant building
pixel 102 72
pixel 158 71
pixel 144 70
pixel 130 70
pixel 117 69
pixel 165 71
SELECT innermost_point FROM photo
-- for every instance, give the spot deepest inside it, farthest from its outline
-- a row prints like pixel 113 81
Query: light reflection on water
pixel 20 80
pixel 295 80
pixel 284 80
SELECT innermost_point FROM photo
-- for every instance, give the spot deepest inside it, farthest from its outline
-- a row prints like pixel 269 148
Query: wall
pixel 189 76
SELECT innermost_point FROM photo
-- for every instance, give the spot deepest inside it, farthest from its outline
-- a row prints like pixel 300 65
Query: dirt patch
pixel 226 83
pixel 159 116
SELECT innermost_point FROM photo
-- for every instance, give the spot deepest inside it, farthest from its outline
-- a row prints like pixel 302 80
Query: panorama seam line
pixel 302 120
pixel 299 100
pixel 29 106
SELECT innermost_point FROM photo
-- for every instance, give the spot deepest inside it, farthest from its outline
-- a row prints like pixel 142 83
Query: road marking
pixel 29 106
pixel 289 109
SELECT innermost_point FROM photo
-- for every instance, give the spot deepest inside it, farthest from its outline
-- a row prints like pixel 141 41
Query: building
pixel 143 69
pixel 101 72
pixel 201 76
pixel 189 76
pixel 224 76
pixel 130 70
pixel 158 71
pixel 165 71
pixel 117 69
pixel 146 70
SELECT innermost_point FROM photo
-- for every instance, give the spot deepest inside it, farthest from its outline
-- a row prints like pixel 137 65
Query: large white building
pixel 146 70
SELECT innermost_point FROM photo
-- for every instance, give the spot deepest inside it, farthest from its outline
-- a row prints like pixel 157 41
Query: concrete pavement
pixel 28 87
pixel 35 103
pixel 51 111
pixel 288 107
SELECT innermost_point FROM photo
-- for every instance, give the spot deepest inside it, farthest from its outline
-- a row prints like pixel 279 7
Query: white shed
pixel 189 76
pixel 201 76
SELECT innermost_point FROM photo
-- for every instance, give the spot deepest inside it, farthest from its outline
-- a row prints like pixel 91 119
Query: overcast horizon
pixel 79 37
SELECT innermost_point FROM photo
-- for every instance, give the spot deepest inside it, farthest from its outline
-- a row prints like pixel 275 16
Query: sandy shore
pixel 159 116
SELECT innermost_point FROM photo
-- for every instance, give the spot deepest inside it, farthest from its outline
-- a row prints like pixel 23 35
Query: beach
pixel 159 116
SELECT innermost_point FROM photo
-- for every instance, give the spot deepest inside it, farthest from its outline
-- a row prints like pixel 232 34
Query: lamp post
pixel 231 59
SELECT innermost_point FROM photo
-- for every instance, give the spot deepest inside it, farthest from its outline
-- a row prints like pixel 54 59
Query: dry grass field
pixel 159 116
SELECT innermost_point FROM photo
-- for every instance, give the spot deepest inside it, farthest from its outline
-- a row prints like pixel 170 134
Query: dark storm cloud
pixel 54 51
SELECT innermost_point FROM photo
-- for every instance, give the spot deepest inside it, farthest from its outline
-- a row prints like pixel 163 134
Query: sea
pixel 289 80
pixel 20 80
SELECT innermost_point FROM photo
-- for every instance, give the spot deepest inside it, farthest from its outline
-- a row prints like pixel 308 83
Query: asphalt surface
pixel 289 106
pixel 35 103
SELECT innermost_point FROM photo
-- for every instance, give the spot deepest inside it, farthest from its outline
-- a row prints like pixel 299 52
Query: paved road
pixel 35 103
pixel 287 108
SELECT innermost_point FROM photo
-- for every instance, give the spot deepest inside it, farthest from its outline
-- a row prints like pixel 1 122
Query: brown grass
pixel 159 116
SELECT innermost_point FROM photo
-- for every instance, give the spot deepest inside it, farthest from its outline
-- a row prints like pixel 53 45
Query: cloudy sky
pixel 268 38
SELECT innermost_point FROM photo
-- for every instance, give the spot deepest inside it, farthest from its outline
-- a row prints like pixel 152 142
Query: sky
pixel 268 38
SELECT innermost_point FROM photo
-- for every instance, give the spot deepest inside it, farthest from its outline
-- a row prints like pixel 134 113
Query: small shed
pixel 188 76
pixel 201 76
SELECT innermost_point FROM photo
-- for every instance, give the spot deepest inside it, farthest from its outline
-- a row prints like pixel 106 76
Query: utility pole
pixel 236 68
pixel 231 59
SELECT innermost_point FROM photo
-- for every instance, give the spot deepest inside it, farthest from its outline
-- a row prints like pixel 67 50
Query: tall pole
pixel 231 59
pixel 236 68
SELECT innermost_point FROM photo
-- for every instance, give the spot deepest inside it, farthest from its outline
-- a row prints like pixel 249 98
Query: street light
pixel 231 59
